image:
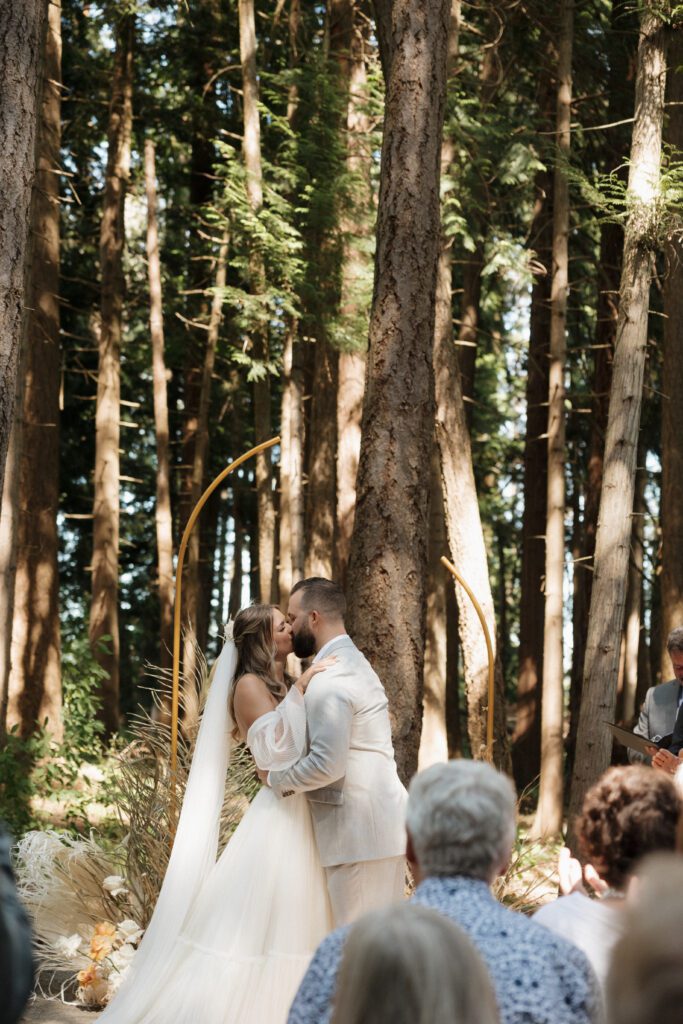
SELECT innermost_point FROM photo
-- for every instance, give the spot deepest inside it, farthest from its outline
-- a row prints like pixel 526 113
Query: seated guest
pixel 405 965
pixel 16 964
pixel 461 826
pixel 662 703
pixel 627 814
pixel 645 982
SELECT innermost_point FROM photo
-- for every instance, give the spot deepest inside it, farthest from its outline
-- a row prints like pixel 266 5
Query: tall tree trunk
pixel 321 498
pixel 465 533
pixel 464 528
pixel 291 534
pixel 388 562
pixel 104 620
pixel 473 262
pixel 672 384
pixel 623 33
pixel 197 26
pixel 21 51
pixel 347 46
pixel 194 636
pixel 239 545
pixel 36 677
pixel 434 739
pixel 594 743
pixel 526 750
pixel 262 412
pixel 291 467
pixel 454 725
pixel 548 821
pixel 9 516
pixel 164 520
pixel 634 593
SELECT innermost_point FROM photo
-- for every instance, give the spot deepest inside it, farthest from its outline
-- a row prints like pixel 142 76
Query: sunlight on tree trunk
pixel 461 506
pixel 526 750
pixel 548 821
pixel 672 384
pixel 262 412
pixel 322 482
pixel 104 621
pixel 347 44
pixel 21 49
pixel 35 684
pixel 193 638
pixel 387 576
pixel 594 741
pixel 434 740
pixel 164 522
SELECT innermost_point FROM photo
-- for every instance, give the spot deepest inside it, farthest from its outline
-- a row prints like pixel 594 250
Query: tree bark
pixel 322 482
pixel 9 515
pixel 526 750
pixel 163 516
pixel 634 593
pixel 21 51
pixel 434 739
pixel 291 534
pixel 465 533
pixel 672 384
pixel 388 563
pixel 105 561
pixel 549 813
pixel 463 522
pixel 194 633
pixel 623 37
pixel 593 748
pixel 35 684
pixel 262 413
pixel 347 46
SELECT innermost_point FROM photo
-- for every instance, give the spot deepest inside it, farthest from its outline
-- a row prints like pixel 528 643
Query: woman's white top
pixel 595 926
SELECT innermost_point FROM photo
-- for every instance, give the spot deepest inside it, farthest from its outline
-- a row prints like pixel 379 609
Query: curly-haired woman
pixel 629 812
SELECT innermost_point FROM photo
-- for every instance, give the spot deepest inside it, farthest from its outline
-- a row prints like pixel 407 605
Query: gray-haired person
pixel 461 827
pixel 16 964
pixel 661 707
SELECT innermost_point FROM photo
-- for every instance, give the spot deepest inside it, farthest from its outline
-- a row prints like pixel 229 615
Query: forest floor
pixel 52 1011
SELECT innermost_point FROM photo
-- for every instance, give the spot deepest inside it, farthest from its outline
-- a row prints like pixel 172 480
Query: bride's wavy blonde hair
pixel 252 632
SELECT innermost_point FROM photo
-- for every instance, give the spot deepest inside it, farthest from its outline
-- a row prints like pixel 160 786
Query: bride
pixel 230 939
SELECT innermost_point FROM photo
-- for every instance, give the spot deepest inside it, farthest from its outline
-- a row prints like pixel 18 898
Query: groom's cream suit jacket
pixel 349 773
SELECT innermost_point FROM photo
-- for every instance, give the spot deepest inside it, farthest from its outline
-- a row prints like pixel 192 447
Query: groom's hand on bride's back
pixel 319 666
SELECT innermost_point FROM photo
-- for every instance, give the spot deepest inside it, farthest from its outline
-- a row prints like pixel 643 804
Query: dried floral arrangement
pixel 90 901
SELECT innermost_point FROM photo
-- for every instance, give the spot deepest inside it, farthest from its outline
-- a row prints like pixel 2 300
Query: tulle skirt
pixel 249 937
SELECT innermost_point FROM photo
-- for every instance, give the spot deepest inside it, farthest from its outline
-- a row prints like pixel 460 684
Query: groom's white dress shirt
pixel 349 773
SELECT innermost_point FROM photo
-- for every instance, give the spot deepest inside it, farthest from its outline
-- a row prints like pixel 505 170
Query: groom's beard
pixel 303 643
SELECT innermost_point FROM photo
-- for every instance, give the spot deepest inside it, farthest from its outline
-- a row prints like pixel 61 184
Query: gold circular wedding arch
pixel 175 698
pixel 179 596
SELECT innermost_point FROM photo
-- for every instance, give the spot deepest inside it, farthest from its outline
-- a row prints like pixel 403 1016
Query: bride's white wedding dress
pixel 231 939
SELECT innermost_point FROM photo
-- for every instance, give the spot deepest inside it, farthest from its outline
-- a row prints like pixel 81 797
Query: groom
pixel 349 773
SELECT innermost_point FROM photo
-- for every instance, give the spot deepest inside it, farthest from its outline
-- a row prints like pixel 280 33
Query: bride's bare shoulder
pixel 250 683
pixel 252 699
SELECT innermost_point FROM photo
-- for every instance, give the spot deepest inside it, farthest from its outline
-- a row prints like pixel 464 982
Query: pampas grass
pixel 62 878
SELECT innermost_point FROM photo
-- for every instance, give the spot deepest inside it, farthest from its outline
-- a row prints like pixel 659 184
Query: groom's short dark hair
pixel 323 595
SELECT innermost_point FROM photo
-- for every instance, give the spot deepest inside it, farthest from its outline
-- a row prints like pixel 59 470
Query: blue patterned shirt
pixel 538 977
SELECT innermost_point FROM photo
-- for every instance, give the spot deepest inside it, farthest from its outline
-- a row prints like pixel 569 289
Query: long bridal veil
pixel 195 847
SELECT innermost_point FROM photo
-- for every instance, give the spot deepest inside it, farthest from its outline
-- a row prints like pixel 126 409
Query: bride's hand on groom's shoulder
pixel 319 666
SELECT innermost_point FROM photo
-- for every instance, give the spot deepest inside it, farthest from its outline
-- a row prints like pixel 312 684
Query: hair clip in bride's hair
pixel 229 631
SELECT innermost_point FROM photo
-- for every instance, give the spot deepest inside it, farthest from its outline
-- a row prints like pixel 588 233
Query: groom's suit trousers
pixel 354 889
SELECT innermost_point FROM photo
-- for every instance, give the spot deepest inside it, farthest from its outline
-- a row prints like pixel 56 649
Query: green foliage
pixel 35 769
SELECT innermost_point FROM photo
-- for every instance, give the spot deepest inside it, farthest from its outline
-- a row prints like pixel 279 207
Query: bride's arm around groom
pixel 348 772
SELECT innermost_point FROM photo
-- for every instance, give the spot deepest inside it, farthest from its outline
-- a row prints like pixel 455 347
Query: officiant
pixel 661 717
